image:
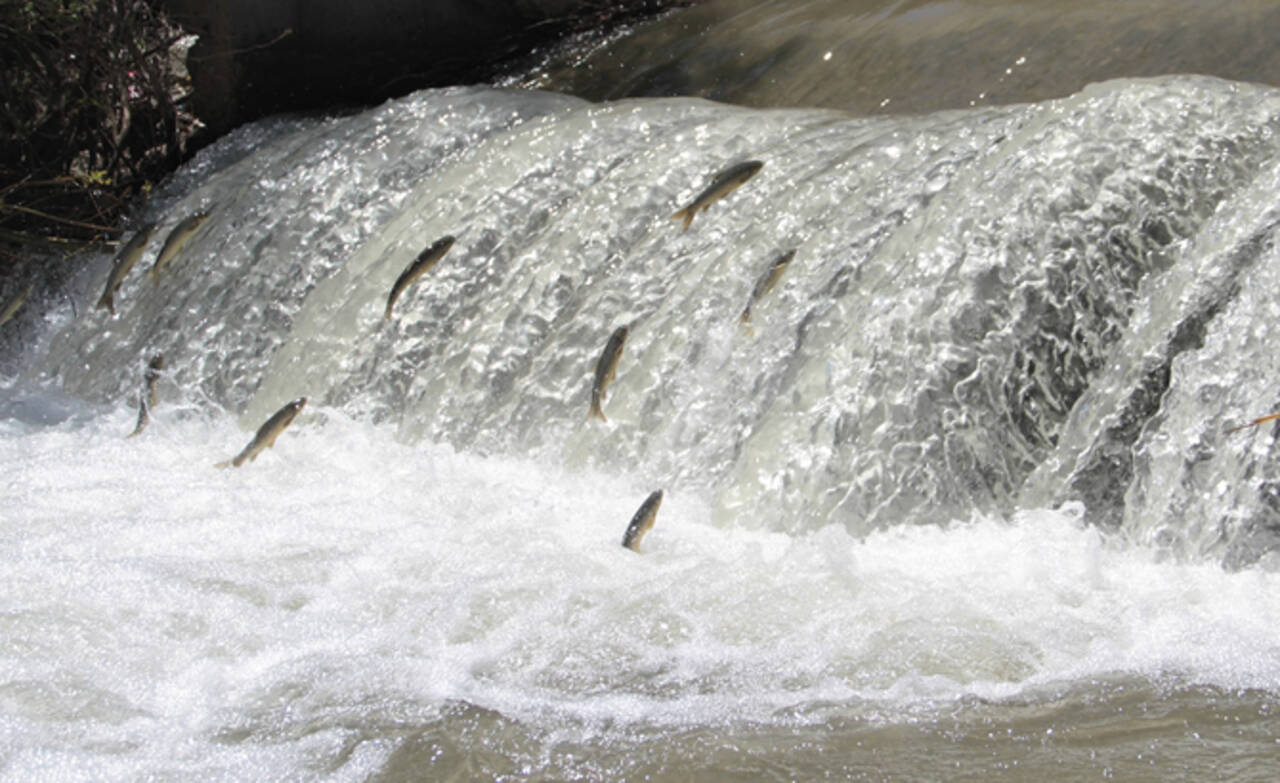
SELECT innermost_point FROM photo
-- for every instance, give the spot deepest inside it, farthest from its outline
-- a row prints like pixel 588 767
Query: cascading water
pixel 960 281
pixel 971 448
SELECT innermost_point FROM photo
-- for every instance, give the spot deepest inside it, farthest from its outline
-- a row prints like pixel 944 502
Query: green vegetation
pixel 90 116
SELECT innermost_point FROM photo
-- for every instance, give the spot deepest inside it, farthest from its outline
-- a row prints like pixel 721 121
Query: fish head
pixel 747 170
pixel 291 411
pixel 194 221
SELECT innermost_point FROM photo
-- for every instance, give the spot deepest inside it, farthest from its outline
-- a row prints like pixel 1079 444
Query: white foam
pixel 156 610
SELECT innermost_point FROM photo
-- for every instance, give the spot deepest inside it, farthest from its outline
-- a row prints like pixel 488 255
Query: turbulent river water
pixel 957 503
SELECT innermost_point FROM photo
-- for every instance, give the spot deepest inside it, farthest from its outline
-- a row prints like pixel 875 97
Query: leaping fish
pixel 176 240
pixel 724 183
pixel 266 435
pixel 16 303
pixel 643 521
pixel 125 259
pixel 148 400
pixel 1254 423
pixel 606 371
pixel 766 282
pixel 425 260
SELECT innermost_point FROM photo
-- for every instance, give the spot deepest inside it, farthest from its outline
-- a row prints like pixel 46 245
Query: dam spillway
pixel 971 451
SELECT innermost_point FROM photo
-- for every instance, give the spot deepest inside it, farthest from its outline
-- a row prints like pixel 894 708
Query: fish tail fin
pixel 108 302
pixel 686 215
pixel 226 463
pixel 1254 423
pixel 595 412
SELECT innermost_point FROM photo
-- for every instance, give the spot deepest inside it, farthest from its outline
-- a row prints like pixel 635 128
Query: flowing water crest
pixel 965 465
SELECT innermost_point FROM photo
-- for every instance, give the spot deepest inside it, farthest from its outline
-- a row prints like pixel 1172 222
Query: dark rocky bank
pixel 256 58
pixel 101 100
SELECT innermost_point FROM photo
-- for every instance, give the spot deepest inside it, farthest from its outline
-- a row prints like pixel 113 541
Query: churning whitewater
pixel 297 617
pixel 972 445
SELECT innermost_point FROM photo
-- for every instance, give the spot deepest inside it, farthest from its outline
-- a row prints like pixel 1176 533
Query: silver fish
pixel 176 240
pixel 266 435
pixel 765 283
pixel 148 400
pixel 724 183
pixel 425 260
pixel 643 521
pixel 16 303
pixel 606 371
pixel 125 259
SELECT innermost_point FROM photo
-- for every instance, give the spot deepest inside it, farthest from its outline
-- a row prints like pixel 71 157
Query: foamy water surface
pixel 161 615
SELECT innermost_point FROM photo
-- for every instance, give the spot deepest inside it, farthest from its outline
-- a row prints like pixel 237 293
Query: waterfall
pixel 967 466
pixel 985 309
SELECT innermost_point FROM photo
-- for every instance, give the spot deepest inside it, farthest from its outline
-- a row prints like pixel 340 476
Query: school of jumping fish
pixel 721 185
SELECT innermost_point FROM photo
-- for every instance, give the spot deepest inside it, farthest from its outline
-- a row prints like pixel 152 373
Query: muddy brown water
pixel 909 56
